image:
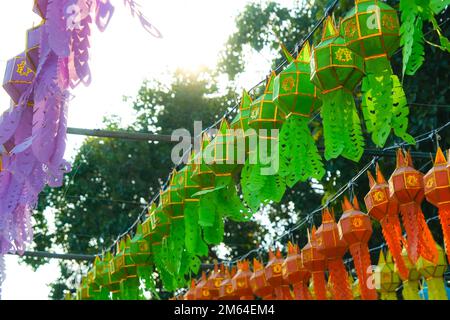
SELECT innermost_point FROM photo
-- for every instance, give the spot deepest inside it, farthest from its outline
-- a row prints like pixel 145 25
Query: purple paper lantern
pixel 18 76
pixel 40 8
pixel 32 46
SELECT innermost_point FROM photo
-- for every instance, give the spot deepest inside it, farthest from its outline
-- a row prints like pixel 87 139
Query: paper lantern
pixel 96 291
pixel 258 282
pixel 336 70
pixel 333 248
pixel 33 46
pixel 387 278
pixel 437 192
pixel 159 222
pixel 222 152
pixel 384 209
pixel 372 30
pixel 242 130
pixel 84 292
pixel 356 229
pixel 40 8
pixel 170 200
pixel 18 78
pixel 297 97
pixel 226 290
pixel 355 287
pixel 266 118
pixel 215 280
pixel 201 173
pixel 411 285
pixel 141 255
pixel 406 185
pixel 124 270
pixel 273 273
pixel 202 289
pixel 103 276
pixel 316 263
pixel 296 274
pixel 241 281
pixel 434 275
pixel 190 295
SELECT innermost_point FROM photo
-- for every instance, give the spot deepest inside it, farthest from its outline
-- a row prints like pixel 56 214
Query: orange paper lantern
pixel 226 290
pixel 241 281
pixel 258 282
pixel 406 185
pixel 383 208
pixel 215 280
pixel 437 192
pixel 295 273
pixel 333 248
pixel 316 263
pixel 190 295
pixel 356 229
pixel 202 290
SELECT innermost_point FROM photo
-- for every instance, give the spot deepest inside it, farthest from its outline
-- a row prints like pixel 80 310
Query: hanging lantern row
pixel 200 196
pixel 317 271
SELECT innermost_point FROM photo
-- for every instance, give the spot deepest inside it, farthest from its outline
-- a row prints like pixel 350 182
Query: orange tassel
pixel 392 233
pixel 444 217
pixel 301 292
pixel 361 258
pixel 339 279
pixel 320 287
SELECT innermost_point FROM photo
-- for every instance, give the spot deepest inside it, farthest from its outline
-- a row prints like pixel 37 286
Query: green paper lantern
pixel 293 90
pixel 102 275
pixel 337 70
pixel 297 97
pixel 170 200
pixel 140 249
pixel 372 30
pixel 159 222
pixel 185 186
pixel 201 173
pixel 264 113
pixel 240 124
pixel 222 153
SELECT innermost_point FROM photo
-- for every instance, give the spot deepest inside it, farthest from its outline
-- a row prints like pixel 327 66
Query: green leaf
pixel 400 111
pixel 207 209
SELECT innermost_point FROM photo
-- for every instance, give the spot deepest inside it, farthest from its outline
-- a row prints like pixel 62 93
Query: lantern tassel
pixel 428 248
pixel 444 217
pixel 301 292
pixel 320 289
pixel 361 258
pixel 392 233
pixel 299 156
pixel 339 277
pixel 342 126
pixel 410 218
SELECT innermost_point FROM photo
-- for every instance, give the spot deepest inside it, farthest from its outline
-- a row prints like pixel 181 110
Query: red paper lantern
pixel 295 273
pixel 202 289
pixel 406 185
pixel 258 282
pixel 333 247
pixel 437 192
pixel 215 280
pixel 190 295
pixel 226 290
pixel 274 276
pixel 356 229
pixel 241 281
pixel 383 208
pixel 316 263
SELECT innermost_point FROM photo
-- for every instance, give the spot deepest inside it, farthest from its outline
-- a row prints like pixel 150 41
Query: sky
pixel 194 33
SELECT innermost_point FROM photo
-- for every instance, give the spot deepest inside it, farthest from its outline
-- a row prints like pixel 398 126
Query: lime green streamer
pixel 299 156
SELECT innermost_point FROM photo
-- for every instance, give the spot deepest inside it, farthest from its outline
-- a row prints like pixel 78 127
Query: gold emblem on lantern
pixel 307 255
pixel 217 282
pixel 21 69
pixel 143 246
pixel 255 113
pixel 388 22
pixel 357 222
pixel 288 83
pixel 229 289
pixel 344 55
pixel 276 268
pixel 412 181
pixel 430 183
pixel 205 292
pixel 350 29
pixel 180 180
pixel 241 283
pixel 379 196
